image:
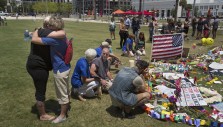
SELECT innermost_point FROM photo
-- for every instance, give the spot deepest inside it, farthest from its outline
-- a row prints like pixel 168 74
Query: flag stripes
pixel 166 46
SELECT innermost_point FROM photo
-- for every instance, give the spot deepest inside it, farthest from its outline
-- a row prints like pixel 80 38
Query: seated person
pixel 128 89
pixel 165 29
pixel 127 49
pixel 100 68
pixel 140 45
pixel 82 82
pixel 99 49
pixel 113 59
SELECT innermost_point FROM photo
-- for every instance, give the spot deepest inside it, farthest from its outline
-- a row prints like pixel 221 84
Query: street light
pixel 216 12
pixel 83 10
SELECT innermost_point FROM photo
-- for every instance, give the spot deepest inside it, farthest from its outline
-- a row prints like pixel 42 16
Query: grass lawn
pixel 17 89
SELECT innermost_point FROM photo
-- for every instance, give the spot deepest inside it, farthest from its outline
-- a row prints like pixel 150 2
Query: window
pixel 201 7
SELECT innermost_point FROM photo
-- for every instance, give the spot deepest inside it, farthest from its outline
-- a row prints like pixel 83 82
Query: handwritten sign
pixel 190 95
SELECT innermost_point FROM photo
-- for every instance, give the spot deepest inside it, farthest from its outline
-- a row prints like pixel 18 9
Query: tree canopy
pixel 3 3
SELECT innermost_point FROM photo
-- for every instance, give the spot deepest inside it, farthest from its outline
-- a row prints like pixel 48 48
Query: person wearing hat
pixel 82 83
pixel 128 89
pixel 99 49
pixel 100 68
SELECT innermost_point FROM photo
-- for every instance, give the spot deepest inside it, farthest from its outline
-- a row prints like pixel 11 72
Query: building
pixel 162 7
pixel 102 7
pixel 216 7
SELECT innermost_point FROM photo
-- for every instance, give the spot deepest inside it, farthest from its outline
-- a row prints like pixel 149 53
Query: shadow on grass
pixel 116 112
pixel 51 106
pixel 75 96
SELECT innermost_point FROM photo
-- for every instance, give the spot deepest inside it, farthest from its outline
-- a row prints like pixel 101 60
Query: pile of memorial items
pixel 183 90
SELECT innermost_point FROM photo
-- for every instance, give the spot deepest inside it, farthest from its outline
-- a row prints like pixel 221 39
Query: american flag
pixel 167 46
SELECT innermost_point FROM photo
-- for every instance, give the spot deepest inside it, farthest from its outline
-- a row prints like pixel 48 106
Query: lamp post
pixel 142 11
pixel 216 12
pixel 83 10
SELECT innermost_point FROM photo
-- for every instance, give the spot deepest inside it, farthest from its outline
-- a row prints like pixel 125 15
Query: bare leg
pixel 111 34
pixel 63 112
pixel 141 97
pixel 41 109
pixel 64 108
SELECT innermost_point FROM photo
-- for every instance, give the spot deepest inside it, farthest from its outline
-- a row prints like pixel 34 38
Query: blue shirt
pixel 57 47
pixel 128 42
pixel 81 70
pixel 99 51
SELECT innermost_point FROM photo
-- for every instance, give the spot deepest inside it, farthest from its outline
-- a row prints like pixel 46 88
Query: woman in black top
pixel 38 66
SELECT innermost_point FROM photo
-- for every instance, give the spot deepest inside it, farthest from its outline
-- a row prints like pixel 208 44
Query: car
pixel 3 13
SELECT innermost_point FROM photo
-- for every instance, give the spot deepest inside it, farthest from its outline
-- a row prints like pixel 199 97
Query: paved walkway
pixel 67 19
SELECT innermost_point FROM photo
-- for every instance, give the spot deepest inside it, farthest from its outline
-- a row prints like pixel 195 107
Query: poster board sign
pixel 190 95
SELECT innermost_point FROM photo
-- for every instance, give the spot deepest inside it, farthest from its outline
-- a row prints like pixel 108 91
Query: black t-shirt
pixel 39 56
pixel 207 23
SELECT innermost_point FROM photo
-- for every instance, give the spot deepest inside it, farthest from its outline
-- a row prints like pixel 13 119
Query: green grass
pixel 17 89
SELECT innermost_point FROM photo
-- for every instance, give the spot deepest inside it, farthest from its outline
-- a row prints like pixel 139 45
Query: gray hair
pixel 90 54
pixel 46 21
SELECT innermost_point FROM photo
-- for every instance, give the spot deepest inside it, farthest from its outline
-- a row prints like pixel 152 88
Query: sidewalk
pixel 66 19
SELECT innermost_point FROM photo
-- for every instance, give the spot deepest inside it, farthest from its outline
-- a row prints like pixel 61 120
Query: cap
pixel 104 43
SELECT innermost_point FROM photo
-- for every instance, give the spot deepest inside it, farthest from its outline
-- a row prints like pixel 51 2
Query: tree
pixel 188 6
pixel 39 7
pixel 183 4
pixel 52 7
pixel 196 11
pixel 65 8
pixel 3 3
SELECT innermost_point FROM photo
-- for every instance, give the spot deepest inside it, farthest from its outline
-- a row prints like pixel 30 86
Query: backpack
pixel 69 52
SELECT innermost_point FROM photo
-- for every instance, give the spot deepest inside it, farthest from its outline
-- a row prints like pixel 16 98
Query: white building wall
pixel 164 6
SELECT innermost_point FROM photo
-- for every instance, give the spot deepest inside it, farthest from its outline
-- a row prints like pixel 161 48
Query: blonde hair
pixel 56 22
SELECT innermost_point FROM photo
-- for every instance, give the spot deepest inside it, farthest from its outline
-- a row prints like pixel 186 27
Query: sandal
pixel 47 117
pixel 59 120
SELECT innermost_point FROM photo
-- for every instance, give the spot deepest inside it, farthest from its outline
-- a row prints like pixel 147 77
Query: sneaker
pixel 59 120
pixel 128 115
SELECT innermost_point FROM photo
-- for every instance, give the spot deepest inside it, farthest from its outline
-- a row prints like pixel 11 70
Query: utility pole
pixel 193 8
pixel 83 10
pixel 176 8
pixel 94 6
pixel 140 7
pixel 142 11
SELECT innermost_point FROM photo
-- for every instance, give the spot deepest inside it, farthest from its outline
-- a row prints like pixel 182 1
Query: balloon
pixel 203 41
pixel 209 41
